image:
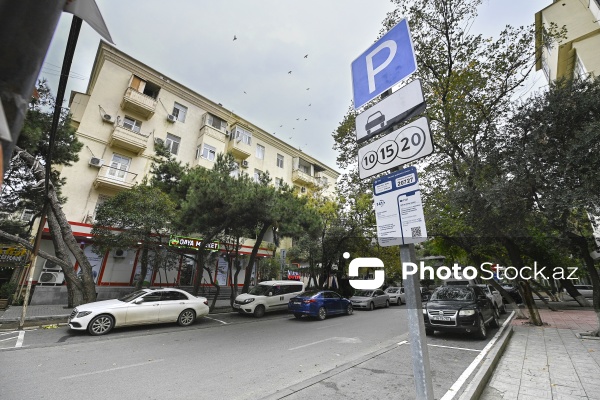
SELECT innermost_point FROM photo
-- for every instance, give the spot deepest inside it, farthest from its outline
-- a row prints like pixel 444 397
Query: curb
pixel 481 378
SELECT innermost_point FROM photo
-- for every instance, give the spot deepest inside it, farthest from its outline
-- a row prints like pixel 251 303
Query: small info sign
pixel 399 209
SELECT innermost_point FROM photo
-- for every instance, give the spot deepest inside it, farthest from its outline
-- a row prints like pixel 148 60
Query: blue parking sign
pixel 387 62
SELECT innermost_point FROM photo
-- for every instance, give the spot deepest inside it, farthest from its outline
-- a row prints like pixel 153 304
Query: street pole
pixel 416 328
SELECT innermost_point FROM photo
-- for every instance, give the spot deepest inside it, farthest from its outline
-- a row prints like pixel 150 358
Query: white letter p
pixel 390 44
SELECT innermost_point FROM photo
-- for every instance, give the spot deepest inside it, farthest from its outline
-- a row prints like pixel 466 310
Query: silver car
pixel 147 306
pixel 370 299
pixel 396 295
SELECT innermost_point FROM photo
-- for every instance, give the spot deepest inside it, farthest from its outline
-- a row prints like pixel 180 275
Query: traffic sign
pixel 401 146
pixel 399 209
pixel 404 103
pixel 384 64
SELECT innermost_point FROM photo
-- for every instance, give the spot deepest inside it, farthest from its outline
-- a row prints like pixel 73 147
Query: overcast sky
pixel 191 42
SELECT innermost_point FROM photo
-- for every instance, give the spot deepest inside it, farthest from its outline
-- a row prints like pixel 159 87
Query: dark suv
pixel 459 309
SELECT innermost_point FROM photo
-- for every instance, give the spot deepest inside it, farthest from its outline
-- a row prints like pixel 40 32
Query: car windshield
pixel 260 290
pixel 363 293
pixel 132 296
pixel 392 290
pixel 452 293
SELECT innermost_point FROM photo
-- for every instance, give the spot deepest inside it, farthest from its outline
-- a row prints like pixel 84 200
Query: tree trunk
pixel 248 275
pixel 143 268
pixel 574 293
pixel 534 315
pixel 74 284
pixel 593 273
pixel 238 268
pixel 29 246
pixel 542 298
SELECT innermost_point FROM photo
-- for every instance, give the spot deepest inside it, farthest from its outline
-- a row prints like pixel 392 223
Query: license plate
pixel 296 302
pixel 441 319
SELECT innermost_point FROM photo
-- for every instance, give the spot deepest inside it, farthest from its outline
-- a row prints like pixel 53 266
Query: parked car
pixel 146 306
pixel 320 304
pixel 370 299
pixel 459 308
pixel 585 290
pixel 267 296
pixel 425 293
pixel 494 296
pixel 514 293
pixel 396 295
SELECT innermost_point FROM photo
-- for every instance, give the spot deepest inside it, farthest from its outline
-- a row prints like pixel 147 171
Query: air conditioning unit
pixel 303 189
pixel 96 162
pixel 119 253
pixel 107 118
pixel 51 278
pixel 171 118
pixel 51 266
pixel 245 164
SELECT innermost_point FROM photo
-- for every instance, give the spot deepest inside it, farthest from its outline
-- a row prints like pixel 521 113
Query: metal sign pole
pixel 416 328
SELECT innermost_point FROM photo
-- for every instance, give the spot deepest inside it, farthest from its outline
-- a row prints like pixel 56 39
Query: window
pixel 27 215
pixel 257 174
pixel 279 160
pixel 208 152
pixel 216 122
pixel 145 87
pixel 579 71
pixel 118 167
pixel 242 135
pixel 172 143
pixel 179 112
pixel 260 152
pixel 131 124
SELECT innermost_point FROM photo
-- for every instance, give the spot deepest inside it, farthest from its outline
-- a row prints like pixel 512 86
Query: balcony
pixel 128 139
pixel 239 149
pixel 138 103
pixel 302 178
pixel 114 179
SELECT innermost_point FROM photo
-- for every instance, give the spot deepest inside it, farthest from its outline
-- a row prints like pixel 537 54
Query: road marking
pixel 338 339
pixel 467 372
pixel 10 338
pixel 218 320
pixel 402 342
pixel 20 339
pixel 452 347
pixel 328 326
pixel 7 333
pixel 110 369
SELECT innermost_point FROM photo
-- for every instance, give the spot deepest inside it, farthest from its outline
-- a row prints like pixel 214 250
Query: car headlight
pixel 247 301
pixel 83 314
pixel 466 312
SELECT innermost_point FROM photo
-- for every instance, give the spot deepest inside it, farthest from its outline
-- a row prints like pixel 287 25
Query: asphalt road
pixel 230 356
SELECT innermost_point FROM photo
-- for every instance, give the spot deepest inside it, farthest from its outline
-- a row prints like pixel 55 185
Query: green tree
pixel 138 218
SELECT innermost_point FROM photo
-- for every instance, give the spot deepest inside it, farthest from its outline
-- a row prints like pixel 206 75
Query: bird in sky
pixel 306 56
pixel 245 92
pixel 309 105
pixel 289 72
pixel 290 137
pixel 305 119
pixel 281 126
pixel 297 119
pixel 307 88
pixel 234 37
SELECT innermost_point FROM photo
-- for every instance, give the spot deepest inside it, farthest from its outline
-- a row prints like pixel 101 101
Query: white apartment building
pixel 126 109
pixel 577 55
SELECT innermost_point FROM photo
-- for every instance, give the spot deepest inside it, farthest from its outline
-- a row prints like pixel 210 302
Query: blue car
pixel 320 304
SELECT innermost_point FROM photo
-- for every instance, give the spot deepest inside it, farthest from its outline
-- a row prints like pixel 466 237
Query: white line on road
pixel 451 347
pixel 110 369
pixel 10 338
pixel 467 372
pixel 328 326
pixel 20 339
pixel 339 339
pixel 218 320
pixel 402 342
pixel 7 333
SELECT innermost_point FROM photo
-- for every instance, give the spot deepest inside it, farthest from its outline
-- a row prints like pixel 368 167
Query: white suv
pixel 494 296
pixel 267 296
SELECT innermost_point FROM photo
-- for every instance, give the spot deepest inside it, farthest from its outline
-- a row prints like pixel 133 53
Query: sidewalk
pixel 550 362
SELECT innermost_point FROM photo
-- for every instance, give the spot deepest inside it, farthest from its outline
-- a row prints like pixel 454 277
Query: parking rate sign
pixel 387 62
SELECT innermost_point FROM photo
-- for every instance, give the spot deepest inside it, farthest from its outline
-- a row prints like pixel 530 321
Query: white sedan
pixel 147 306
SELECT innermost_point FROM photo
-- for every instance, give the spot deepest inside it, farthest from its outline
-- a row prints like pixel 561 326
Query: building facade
pixel 577 55
pixel 127 108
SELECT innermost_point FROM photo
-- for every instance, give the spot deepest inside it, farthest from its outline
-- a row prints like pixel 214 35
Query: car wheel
pixel 429 332
pixel 349 309
pixel 297 315
pixel 100 325
pixel 322 314
pixel 187 317
pixel 259 311
pixel 495 320
pixel 371 306
pixel 482 330
pixel 503 310
pixel 387 303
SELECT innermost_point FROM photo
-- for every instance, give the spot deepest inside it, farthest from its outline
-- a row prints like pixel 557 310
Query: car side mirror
pixel 138 301
pixel 270 294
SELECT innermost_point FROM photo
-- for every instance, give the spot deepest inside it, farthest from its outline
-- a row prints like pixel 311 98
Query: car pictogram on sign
pixel 375 119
